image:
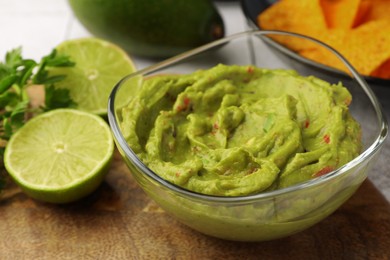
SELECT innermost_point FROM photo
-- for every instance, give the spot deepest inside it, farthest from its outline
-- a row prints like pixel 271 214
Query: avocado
pixel 151 28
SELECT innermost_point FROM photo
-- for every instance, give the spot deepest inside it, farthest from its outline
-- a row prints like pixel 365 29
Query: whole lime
pixel 151 28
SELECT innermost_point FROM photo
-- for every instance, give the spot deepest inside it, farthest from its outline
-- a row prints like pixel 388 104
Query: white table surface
pixel 39 25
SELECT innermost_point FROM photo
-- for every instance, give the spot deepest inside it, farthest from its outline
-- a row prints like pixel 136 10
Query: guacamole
pixel 240 130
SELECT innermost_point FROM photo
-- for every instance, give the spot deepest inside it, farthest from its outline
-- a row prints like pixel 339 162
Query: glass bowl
pixel 272 214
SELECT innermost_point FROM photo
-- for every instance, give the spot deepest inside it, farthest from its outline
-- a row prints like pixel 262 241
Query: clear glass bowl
pixel 268 215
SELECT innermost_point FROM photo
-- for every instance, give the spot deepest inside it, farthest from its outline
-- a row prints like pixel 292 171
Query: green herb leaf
pixel 57 98
pixel 13 57
pixel 16 74
pixel 8 99
pixel 26 71
pixel 7 82
pixel 51 60
pixel 55 60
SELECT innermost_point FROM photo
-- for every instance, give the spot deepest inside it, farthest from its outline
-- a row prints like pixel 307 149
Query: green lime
pixel 60 156
pixel 99 66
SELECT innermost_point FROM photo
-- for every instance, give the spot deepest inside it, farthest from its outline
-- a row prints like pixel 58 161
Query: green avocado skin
pixel 151 28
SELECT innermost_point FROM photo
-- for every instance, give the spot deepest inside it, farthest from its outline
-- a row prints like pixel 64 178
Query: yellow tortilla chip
pixel 367 46
pixel 363 12
pixel 321 55
pixel 303 17
pixel 340 13
pixel 334 38
pixel 383 71
pixel 379 10
pixel 358 29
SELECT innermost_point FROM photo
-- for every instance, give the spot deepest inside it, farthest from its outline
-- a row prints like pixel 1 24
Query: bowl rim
pixel 369 152
pixel 253 25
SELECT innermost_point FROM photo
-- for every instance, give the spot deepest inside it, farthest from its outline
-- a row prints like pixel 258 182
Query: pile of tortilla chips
pixel 358 29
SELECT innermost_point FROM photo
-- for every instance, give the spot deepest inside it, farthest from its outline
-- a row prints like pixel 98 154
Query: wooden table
pixel 118 221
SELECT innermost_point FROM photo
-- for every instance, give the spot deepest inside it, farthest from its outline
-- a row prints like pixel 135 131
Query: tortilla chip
pixel 383 71
pixel 322 56
pixel 365 55
pixel 334 38
pixel 340 13
pixel 368 46
pixel 362 14
pixel 295 15
pixel 302 17
pixel 358 29
pixel 380 10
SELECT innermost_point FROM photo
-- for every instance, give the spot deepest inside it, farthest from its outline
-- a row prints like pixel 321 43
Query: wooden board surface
pixel 119 221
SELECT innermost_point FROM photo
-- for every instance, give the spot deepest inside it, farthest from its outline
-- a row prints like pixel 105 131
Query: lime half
pixel 99 66
pixel 60 156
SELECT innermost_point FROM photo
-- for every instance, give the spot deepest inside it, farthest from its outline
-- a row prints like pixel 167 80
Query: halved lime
pixel 99 66
pixel 60 156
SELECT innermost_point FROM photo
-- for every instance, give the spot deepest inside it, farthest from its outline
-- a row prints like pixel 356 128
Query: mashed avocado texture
pixel 240 130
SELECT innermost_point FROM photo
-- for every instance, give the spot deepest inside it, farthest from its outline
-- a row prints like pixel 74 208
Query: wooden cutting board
pixel 119 221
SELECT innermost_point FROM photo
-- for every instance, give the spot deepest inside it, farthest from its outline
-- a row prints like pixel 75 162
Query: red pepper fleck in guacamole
pixel 239 130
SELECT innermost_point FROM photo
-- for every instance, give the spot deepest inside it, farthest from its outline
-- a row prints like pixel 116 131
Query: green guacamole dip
pixel 240 130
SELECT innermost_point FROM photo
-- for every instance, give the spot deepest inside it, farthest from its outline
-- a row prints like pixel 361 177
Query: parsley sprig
pixel 16 75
